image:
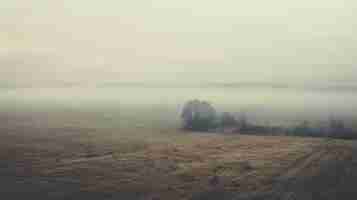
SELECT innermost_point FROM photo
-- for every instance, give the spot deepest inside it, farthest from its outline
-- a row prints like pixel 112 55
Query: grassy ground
pixel 66 154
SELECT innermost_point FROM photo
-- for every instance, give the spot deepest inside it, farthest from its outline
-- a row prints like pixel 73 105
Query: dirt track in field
pixel 329 174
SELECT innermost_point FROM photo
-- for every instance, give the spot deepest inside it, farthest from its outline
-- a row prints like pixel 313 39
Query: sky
pixel 179 41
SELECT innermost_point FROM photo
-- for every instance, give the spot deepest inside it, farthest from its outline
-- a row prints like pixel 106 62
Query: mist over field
pixel 280 106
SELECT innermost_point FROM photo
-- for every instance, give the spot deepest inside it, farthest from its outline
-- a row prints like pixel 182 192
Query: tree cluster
pixel 201 116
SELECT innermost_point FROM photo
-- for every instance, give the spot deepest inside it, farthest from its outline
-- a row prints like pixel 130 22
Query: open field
pixel 50 155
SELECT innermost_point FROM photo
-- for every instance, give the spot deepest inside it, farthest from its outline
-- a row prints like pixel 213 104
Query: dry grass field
pixel 47 158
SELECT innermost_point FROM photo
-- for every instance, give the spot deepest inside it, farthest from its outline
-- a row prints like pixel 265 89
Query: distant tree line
pixel 334 128
pixel 202 116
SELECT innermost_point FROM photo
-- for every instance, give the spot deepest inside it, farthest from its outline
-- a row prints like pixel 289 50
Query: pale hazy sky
pixel 178 40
